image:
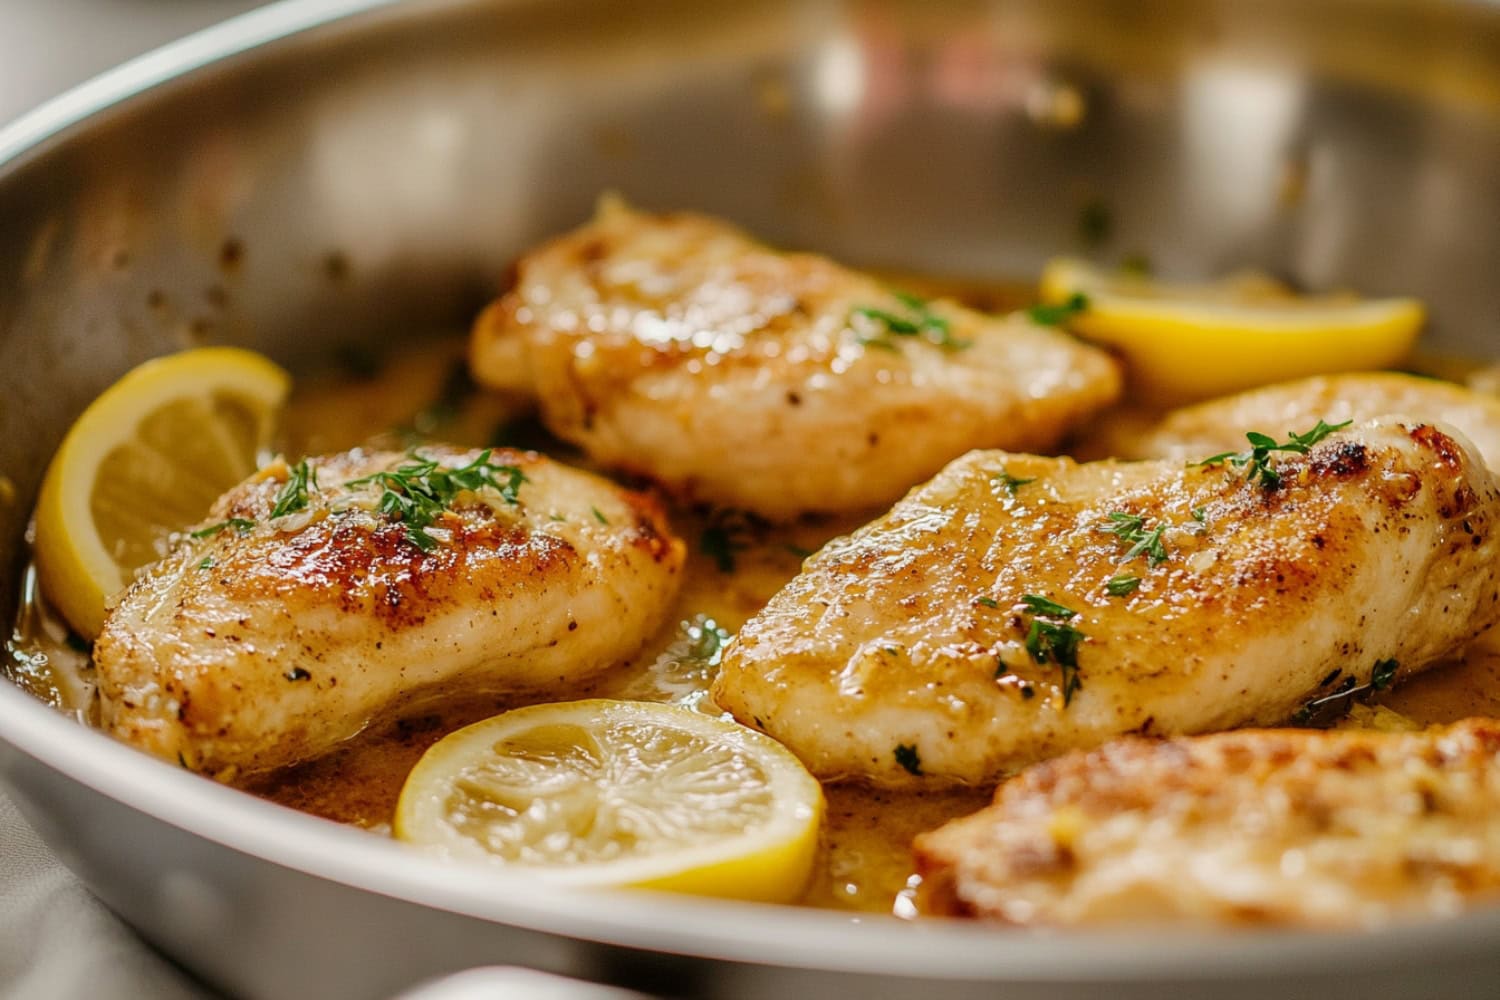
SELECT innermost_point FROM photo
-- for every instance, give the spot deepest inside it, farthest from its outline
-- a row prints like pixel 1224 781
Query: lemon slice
pixel 1186 342
pixel 620 793
pixel 147 458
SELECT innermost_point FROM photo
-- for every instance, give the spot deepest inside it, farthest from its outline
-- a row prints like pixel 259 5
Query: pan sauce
pixel 733 568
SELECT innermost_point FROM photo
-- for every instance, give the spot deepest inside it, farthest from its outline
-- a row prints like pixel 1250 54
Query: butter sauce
pixel 864 861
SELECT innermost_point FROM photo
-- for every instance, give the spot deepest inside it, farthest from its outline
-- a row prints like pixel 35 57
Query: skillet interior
pixel 370 178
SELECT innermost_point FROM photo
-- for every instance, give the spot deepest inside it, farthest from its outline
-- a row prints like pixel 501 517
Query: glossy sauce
pixel 864 860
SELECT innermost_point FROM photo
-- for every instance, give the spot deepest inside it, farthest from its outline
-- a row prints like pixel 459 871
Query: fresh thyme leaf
pixel 1385 673
pixel 293 495
pixel 422 490
pixel 239 524
pixel 728 532
pixel 1122 586
pixel 1039 605
pixel 1200 515
pixel 988 602
pixel 908 758
pixel 1009 483
pixel 1054 642
pixel 1257 460
pixel 599 516
pixel 919 321
pixel 1131 528
pixel 1056 315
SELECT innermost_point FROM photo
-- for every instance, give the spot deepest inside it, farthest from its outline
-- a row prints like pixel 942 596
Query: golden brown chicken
pixel 322 597
pixel 1017 607
pixel 1291 827
pixel 676 347
pixel 1194 431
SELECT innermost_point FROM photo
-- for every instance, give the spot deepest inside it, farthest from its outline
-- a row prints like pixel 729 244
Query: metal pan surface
pixel 330 171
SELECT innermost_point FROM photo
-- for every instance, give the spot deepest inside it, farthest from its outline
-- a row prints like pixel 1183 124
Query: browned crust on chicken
pixel 676 347
pixel 1257 826
pixel 914 631
pixel 246 651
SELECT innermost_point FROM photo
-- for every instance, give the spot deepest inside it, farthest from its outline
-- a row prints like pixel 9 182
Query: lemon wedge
pixel 147 458
pixel 1184 342
pixel 619 793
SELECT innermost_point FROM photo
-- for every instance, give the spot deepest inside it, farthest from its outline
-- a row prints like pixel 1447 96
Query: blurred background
pixel 47 46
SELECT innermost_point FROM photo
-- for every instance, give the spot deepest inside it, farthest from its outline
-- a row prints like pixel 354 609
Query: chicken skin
pixel 1017 607
pixel 265 640
pixel 676 347
pixel 1292 827
pixel 1206 428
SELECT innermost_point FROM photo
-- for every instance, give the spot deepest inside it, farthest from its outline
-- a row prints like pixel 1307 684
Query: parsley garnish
pixel 1257 460
pixel 207 563
pixel 1056 315
pixel 1008 482
pixel 907 757
pixel 1122 586
pixel 599 516
pixel 239 524
pixel 919 321
pixel 419 492
pixel 1054 641
pixel 1385 673
pixel 1131 528
pixel 293 495
pixel 988 602
pixel 728 532
pixel 1200 514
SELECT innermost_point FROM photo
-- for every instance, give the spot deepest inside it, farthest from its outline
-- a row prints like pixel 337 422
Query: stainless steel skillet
pixel 325 172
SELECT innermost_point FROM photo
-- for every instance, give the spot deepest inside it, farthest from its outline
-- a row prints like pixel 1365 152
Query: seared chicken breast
pixel 1293 827
pixel 285 626
pixel 676 347
pixel 1194 431
pixel 1018 607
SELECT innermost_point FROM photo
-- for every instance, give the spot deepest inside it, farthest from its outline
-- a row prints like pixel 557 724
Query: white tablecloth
pixel 57 942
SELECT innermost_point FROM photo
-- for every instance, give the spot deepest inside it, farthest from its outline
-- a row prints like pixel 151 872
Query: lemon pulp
pixel 613 793
pixel 146 459
pixel 1185 342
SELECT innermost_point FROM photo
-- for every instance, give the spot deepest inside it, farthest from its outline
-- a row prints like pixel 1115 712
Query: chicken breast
pixel 676 347
pixel 1324 829
pixel 1017 607
pixel 269 639
pixel 1194 431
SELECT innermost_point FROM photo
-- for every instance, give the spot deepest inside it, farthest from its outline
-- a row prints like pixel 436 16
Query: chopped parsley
pixel 1009 483
pixel 727 533
pixel 908 758
pixel 207 563
pixel 1385 673
pixel 988 602
pixel 1059 313
pixel 1131 529
pixel 1257 460
pixel 1200 514
pixel 293 495
pixel 239 524
pixel 599 516
pixel 422 490
pixel 1122 586
pixel 1054 641
pixel 917 320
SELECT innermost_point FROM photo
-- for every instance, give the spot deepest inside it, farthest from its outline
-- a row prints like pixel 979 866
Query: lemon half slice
pixel 147 458
pixel 1185 342
pixel 619 793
